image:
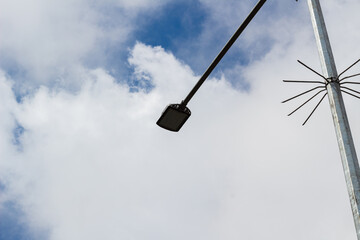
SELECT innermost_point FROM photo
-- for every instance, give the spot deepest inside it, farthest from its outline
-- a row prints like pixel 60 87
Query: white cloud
pixel 46 38
pixel 51 42
pixel 94 165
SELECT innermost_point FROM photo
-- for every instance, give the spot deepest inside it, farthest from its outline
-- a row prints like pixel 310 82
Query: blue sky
pixel 13 225
pixel 83 83
pixel 175 23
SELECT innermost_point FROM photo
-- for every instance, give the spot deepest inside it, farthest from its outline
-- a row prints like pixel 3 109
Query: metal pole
pixel 342 128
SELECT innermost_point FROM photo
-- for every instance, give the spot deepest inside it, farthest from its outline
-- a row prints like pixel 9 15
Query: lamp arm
pixel 223 52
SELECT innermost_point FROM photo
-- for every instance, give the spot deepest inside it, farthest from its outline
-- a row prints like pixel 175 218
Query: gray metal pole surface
pixel 346 145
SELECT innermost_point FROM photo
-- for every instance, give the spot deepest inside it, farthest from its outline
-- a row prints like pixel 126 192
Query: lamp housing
pixel 173 117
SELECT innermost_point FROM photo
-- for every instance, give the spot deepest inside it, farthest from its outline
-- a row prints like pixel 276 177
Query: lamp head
pixel 173 117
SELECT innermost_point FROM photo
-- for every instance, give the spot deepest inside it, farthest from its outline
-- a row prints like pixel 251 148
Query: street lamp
pixel 175 115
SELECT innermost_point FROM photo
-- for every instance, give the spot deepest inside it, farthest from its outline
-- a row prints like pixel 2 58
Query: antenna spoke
pixel 302 81
pixel 302 93
pixel 306 102
pixel 349 68
pixel 313 70
pixel 351 90
pixel 358 74
pixel 349 83
pixel 314 109
pixel 350 94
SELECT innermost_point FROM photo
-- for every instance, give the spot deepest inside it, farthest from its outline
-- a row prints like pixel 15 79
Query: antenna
pixel 334 86
pixel 322 85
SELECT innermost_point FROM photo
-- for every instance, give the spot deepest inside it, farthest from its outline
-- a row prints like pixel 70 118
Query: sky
pixel 82 84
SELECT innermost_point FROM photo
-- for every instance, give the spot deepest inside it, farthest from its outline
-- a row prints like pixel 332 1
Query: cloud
pixel 95 165
pixel 114 180
pixel 51 42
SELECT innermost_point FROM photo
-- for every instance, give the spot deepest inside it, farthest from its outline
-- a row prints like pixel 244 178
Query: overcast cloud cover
pixel 82 84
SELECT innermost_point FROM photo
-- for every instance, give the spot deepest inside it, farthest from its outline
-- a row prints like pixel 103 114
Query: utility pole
pixel 346 145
